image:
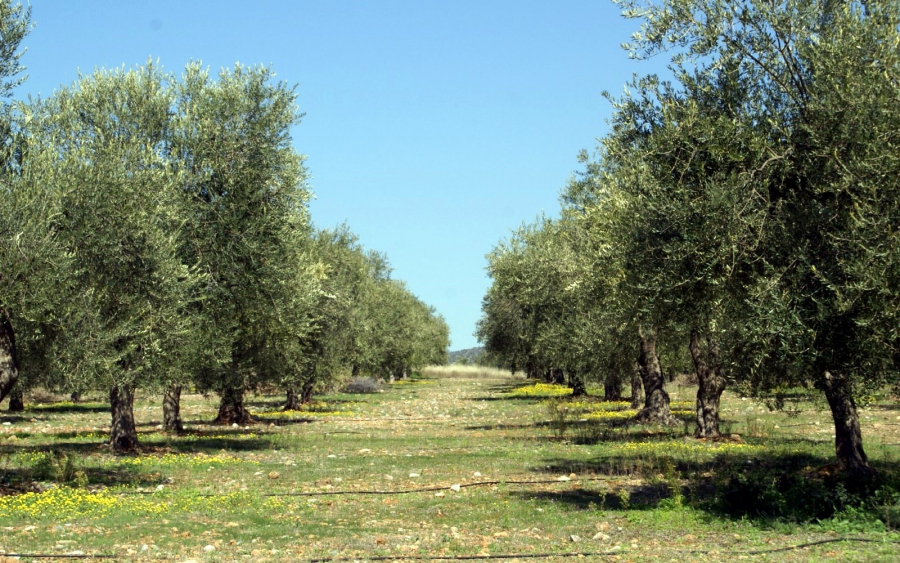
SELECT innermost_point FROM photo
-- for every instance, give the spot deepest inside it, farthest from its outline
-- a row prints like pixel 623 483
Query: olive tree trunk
pixel 122 433
pixel 847 433
pixel 612 385
pixel 557 376
pixel 293 400
pixel 172 410
pixel 9 365
pixel 637 388
pixel 712 384
pixel 231 408
pixel 306 393
pixel 656 400
pixel 576 382
pixel 17 400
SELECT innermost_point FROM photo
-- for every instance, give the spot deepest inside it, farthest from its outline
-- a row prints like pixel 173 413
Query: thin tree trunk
pixel 637 388
pixel 576 382
pixel 656 400
pixel 231 408
pixel 17 400
pixel 847 433
pixel 712 384
pixel 122 433
pixel 293 400
pixel 9 365
pixel 612 385
pixel 172 410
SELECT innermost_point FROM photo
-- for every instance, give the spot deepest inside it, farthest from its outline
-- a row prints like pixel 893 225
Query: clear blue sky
pixel 431 128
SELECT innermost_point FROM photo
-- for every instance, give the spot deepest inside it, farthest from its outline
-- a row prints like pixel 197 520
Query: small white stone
pixel 413 475
pixel 476 474
pixel 209 548
pixel 235 425
pixel 455 488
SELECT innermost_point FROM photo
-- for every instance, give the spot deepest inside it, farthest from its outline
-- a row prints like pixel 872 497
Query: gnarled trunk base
pixel 17 400
pixel 293 400
pixel 576 383
pixel 847 433
pixel 656 403
pixel 231 408
pixel 172 410
pixel 712 384
pixel 122 433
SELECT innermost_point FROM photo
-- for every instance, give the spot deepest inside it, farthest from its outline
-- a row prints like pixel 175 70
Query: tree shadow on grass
pixel 69 448
pixel 63 464
pixel 505 389
pixel 511 398
pixel 15 418
pixel 289 421
pixel 32 479
pixel 66 408
pixel 211 441
pixel 647 496
pixel 524 426
pixel 792 486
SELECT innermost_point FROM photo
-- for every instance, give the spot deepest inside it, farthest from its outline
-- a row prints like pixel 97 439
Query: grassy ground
pixel 441 468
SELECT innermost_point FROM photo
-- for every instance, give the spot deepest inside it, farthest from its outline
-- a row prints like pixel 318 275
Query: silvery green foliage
pixel 247 224
pixel 98 151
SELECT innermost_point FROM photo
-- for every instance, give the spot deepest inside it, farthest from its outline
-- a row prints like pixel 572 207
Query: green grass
pixel 534 469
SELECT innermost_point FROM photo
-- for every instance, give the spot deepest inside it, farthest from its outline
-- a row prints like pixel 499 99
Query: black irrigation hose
pixel 585 553
pixel 467 557
pixel 498 556
pixel 395 492
pixel 419 490
pixel 61 556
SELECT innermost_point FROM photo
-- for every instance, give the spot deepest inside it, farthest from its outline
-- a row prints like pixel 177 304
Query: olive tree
pixel 99 147
pixel 247 226
pixel 26 243
pixel 816 92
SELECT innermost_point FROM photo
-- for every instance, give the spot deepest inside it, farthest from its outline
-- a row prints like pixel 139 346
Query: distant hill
pixel 469 354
